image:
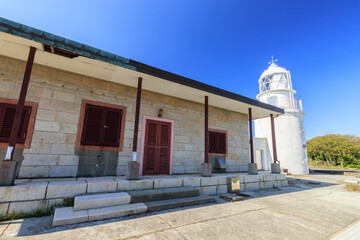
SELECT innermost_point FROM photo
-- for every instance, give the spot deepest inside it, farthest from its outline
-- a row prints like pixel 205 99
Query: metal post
pixel 251 137
pixel 206 129
pixel 273 138
pixel 20 106
pixel 136 123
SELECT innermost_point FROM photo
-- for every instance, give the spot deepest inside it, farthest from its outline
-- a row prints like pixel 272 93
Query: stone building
pixel 79 116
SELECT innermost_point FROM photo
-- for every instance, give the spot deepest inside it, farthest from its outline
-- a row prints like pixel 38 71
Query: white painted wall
pixel 290 141
pixel 262 144
pixel 289 128
pixel 284 98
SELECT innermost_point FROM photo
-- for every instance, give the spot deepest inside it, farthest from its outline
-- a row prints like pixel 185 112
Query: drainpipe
pixel 206 129
pixel 136 123
pixel 273 138
pixel 9 168
pixel 251 137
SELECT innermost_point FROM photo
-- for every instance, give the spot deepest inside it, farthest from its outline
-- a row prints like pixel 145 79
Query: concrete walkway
pixel 312 207
pixel 350 233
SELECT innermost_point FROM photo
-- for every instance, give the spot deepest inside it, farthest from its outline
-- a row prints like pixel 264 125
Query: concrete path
pixel 350 233
pixel 312 207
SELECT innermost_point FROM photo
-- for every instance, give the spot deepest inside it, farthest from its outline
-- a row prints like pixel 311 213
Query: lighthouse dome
pixel 273 69
pixel 275 87
pixel 275 78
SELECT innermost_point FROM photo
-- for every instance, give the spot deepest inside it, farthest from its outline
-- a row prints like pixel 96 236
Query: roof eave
pixel 84 50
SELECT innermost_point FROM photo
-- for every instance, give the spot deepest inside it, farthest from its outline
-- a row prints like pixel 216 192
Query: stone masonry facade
pixel 59 95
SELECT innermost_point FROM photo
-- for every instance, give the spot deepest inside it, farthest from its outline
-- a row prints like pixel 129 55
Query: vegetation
pixel 334 150
pixel 353 187
pixel 39 212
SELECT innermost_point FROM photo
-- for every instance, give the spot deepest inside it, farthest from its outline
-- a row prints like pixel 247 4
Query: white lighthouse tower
pixel 276 89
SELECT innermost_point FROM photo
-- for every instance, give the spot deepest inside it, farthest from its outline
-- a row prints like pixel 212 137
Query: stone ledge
pixel 117 211
pixel 209 181
pixel 253 178
pixel 66 189
pixel 21 192
pixel 284 183
pixel 27 206
pixel 251 186
pixel 102 185
pixel 191 181
pixel 54 191
pixel 168 183
pixel 268 184
pixel 210 190
pixel 4 208
pixel 67 215
pixel 280 176
pixel 124 185
pixel 220 189
pixel 101 200
pixel 270 177
pixel 222 180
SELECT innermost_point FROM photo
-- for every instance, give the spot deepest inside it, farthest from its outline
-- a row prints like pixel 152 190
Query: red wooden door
pixel 157 147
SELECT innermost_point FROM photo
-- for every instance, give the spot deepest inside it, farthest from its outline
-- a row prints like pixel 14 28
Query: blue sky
pixel 227 44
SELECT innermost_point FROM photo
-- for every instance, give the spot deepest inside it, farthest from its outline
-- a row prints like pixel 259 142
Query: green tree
pixel 335 150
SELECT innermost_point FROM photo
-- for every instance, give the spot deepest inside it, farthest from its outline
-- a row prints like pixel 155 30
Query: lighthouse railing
pixel 286 102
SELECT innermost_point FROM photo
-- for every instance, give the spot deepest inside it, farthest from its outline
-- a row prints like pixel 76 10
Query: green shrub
pixel 334 150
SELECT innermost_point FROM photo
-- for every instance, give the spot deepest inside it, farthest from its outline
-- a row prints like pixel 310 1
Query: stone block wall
pixel 59 95
pixel 29 194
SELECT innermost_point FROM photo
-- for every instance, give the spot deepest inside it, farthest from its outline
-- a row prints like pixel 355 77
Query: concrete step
pixel 101 200
pixel 67 215
pixel 117 211
pixel 178 202
pixel 162 194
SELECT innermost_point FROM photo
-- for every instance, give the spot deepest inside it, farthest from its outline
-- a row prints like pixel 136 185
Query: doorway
pixel 259 155
pixel 157 147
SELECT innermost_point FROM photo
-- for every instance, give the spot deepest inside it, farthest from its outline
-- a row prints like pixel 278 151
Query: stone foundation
pixel 27 195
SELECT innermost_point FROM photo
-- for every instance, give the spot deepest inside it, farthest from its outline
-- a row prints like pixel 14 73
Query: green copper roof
pixel 43 37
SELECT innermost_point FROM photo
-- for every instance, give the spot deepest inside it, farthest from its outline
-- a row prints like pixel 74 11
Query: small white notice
pixel 8 152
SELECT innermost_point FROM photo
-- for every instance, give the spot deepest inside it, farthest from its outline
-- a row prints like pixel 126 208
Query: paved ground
pixel 312 207
pixel 350 233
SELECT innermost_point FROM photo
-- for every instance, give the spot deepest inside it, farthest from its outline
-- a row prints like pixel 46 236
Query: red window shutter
pixel 221 143
pixel 93 126
pixel 212 142
pixel 112 127
pixel 7 120
pixel 217 142
pixel 102 126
